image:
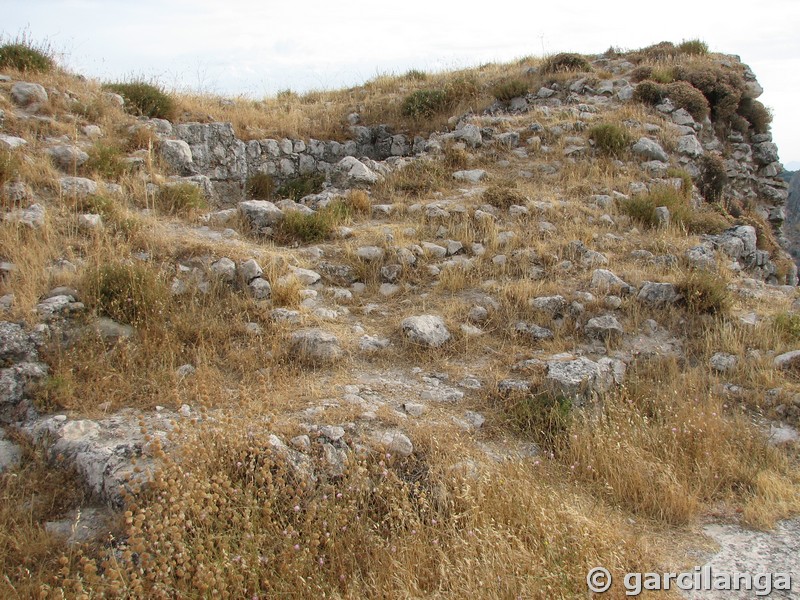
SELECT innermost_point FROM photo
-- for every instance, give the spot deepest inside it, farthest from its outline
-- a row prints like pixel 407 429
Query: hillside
pixel 439 335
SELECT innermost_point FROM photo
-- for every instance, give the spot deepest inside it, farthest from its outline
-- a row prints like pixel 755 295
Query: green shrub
pixel 463 87
pixel 310 228
pixel 656 52
pixel 641 73
pixel 508 90
pixel 642 207
pixel 96 204
pixel 180 198
pixel 685 95
pixel 130 293
pixel 503 195
pixel 649 92
pixel 260 186
pixel 301 186
pixel 705 293
pixel 105 160
pixel 146 99
pixel 9 166
pixel 564 63
pixel 722 86
pixel 706 220
pixel 693 47
pixel 415 75
pixel 610 139
pixel 417 179
pixel 541 416
pixel 424 103
pixel 756 114
pixel 787 326
pixel 23 55
pixel 713 177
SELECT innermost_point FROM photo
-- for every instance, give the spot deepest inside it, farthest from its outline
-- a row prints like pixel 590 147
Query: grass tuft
pixel 145 99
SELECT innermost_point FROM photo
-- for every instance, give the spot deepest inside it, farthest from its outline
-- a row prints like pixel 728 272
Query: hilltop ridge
pixel 440 334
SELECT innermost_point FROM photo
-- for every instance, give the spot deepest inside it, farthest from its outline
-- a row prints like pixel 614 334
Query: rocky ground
pixel 409 316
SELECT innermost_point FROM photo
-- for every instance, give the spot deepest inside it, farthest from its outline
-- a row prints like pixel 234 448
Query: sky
pixel 259 47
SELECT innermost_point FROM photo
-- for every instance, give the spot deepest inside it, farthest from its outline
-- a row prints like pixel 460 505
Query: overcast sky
pixel 259 47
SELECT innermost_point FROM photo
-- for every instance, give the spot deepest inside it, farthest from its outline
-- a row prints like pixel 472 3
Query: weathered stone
pixel 689 145
pixel 249 270
pixel 394 442
pixel 471 134
pixel 604 280
pixel 370 253
pixel 603 328
pixel 260 288
pixel 723 363
pixel 78 187
pixel 25 94
pixel 16 345
pixel 787 360
pixel 177 155
pixel 260 214
pixel 10 142
pixel 470 176
pixel 110 331
pixel 552 305
pixel 658 295
pixel 225 269
pixel 67 158
pixel 427 330
pixel 33 216
pixel 315 346
pixel 578 378
pixel 650 150
pixel 351 172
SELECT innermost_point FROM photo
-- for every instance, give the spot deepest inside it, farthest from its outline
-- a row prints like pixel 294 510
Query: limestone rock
pixel 260 214
pixel 351 172
pixel 315 346
pixel 650 150
pixel 603 328
pixel 25 94
pixel 658 295
pixel 67 158
pixel 427 330
pixel 177 155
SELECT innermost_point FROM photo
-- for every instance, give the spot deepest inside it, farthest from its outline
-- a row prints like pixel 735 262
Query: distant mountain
pixel 787 175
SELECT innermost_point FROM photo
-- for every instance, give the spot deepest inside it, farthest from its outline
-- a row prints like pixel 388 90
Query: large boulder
pixel 177 155
pixel 25 94
pixel 351 172
pixel 16 345
pixel 426 330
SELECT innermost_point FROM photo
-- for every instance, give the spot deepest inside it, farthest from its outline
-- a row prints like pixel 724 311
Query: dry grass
pixel 227 517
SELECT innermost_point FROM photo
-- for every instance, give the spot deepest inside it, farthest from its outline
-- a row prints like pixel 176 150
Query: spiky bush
pixel 756 114
pixel 705 293
pixel 685 95
pixel 713 177
pixel 260 186
pixel 180 198
pixel 126 292
pixel 145 99
pixel 722 86
pixel 301 186
pixel 508 90
pixel 610 139
pixel 503 195
pixel 105 160
pixel 649 92
pixel 424 103
pixel 565 62
pixel 24 55
pixel 693 47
